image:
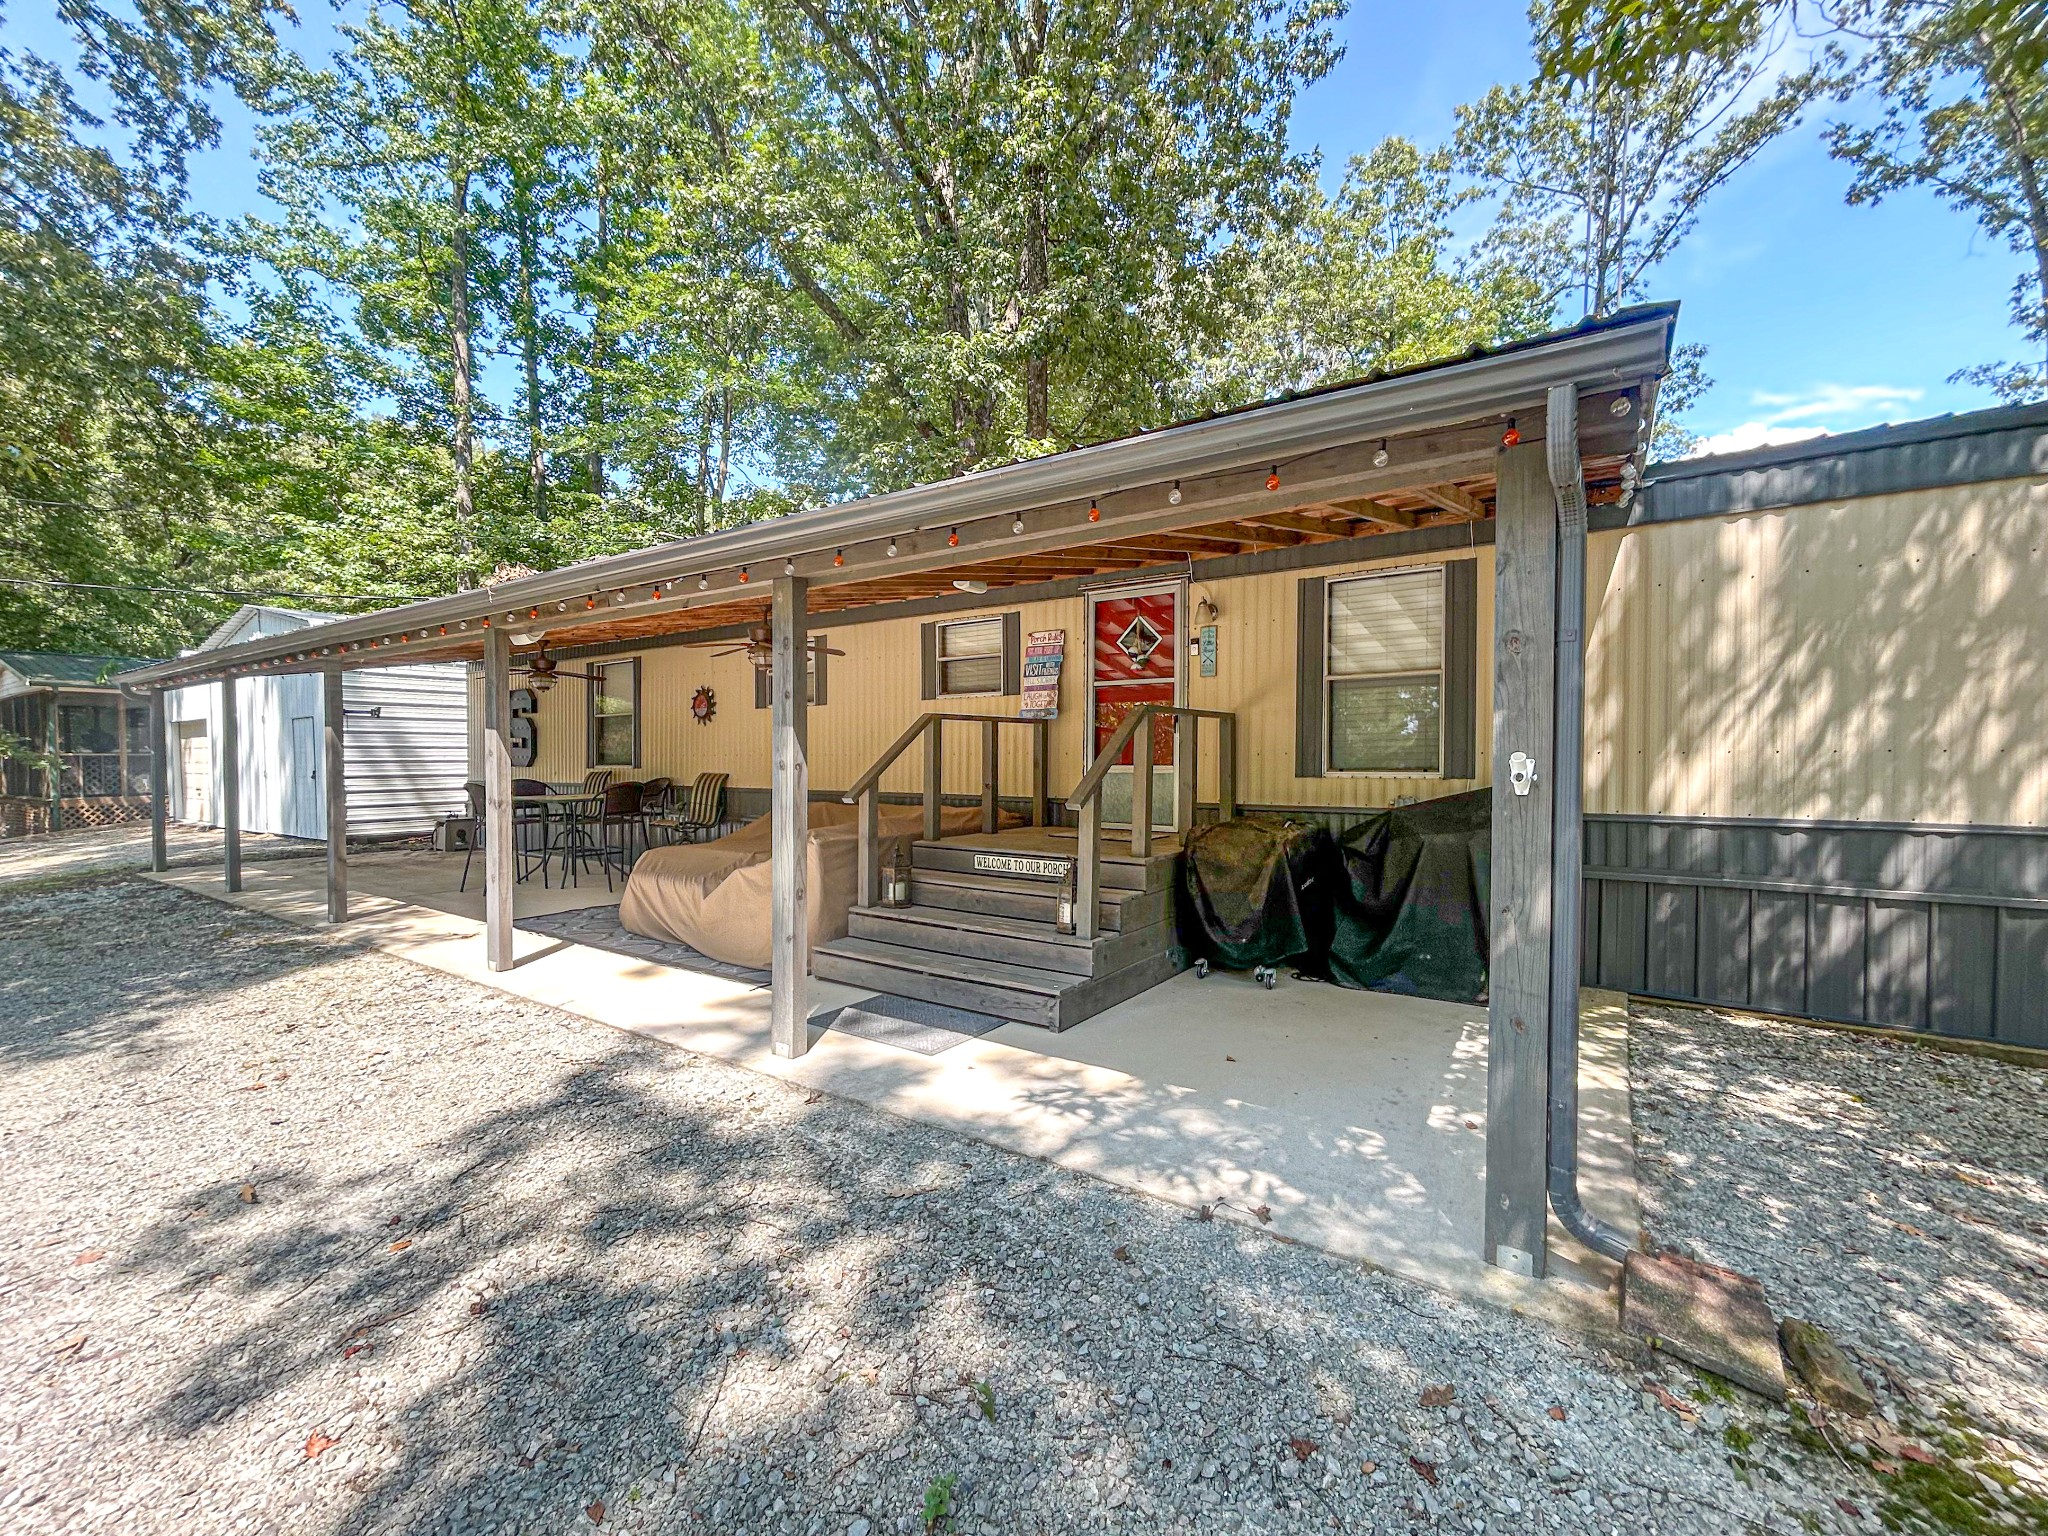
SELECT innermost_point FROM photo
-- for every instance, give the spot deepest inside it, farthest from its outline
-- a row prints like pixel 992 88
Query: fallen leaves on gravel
pixel 1556 1411
pixel 246 1194
pixel 1263 1212
pixel 400 1246
pixel 317 1442
pixel 595 1509
pixel 1426 1470
pixel 1367 1468
pixel 1302 1447
pixel 90 1256
pixel 1122 1255
pixel 1439 1397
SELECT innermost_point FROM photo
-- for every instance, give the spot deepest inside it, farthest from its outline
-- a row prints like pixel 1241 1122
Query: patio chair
pixel 597 781
pixel 525 818
pixel 618 818
pixel 657 798
pixel 704 811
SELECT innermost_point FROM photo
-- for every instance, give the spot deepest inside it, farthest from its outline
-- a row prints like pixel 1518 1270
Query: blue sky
pixel 1816 316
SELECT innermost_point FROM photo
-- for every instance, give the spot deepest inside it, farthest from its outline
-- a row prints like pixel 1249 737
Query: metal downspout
pixel 1567 899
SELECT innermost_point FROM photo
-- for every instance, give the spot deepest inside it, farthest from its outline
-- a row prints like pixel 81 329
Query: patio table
pixel 558 810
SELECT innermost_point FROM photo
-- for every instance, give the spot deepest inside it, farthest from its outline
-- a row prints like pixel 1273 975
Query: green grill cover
pixel 1258 890
pixel 1412 907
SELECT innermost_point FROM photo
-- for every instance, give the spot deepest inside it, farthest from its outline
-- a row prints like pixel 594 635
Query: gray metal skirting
pixel 1938 929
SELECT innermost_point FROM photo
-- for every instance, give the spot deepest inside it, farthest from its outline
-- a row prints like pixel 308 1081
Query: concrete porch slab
pixel 1352 1122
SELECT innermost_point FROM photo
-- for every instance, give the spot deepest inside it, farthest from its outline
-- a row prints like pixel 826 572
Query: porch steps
pixel 987 942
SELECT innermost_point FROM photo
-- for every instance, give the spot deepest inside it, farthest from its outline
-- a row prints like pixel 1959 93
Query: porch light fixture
pixel 1273 478
pixel 1380 455
pixel 1173 496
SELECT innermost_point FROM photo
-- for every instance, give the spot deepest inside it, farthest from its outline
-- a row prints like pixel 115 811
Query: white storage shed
pixel 406 743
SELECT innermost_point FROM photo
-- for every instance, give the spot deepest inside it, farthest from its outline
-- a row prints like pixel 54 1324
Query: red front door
pixel 1134 658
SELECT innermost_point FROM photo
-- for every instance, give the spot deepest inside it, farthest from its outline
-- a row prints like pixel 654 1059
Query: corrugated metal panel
pixel 1884 659
pixel 2010 442
pixel 406 767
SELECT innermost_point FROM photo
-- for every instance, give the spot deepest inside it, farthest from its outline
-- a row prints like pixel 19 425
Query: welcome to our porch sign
pixel 1044 653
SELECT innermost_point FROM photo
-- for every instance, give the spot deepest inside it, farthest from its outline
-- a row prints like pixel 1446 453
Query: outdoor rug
pixel 599 928
pixel 926 1028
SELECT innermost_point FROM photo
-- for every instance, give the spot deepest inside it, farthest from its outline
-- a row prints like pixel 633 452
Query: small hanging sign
pixel 1208 650
pixel 1045 651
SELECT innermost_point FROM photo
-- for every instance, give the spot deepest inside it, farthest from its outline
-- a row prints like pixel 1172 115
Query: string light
pixel 1512 436
pixel 1017 526
pixel 1380 455
pixel 1173 496
pixel 1273 479
pixel 533 613
pixel 789 567
pixel 703 583
pixel 839 557
pixel 892 546
pixel 953 539
pixel 590 602
pixel 1094 511
pixel 654 593
pixel 743 575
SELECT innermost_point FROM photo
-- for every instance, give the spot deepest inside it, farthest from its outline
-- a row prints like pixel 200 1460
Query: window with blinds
pixel 970 657
pixel 1384 673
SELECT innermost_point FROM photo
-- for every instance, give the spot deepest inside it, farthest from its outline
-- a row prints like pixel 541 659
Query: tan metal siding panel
pixel 1880 659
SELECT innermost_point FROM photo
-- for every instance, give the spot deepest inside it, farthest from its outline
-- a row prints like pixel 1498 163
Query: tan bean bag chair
pixel 714 896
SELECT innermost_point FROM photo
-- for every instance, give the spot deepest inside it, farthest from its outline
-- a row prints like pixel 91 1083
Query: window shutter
pixel 1461 668
pixel 1013 653
pixel 928 649
pixel 1308 680
pixel 821 644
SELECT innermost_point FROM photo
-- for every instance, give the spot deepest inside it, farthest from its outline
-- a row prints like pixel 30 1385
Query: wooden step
pixel 1012 940
pixel 1119 872
pixel 1051 999
pixel 1031 900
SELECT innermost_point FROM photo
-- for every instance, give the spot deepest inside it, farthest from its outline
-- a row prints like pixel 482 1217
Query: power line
pixel 237 592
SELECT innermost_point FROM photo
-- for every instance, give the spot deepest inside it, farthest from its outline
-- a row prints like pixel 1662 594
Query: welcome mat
pixel 926 1028
pixel 599 927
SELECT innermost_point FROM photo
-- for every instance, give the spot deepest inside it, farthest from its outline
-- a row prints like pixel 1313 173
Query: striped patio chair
pixel 597 781
pixel 704 811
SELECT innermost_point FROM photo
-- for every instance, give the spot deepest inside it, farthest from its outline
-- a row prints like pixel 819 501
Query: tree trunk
pixel 1037 366
pixel 458 333
pixel 529 348
pixel 2027 171
pixel 594 404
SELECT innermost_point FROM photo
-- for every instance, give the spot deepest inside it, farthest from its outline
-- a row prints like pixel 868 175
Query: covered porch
pixel 1482 474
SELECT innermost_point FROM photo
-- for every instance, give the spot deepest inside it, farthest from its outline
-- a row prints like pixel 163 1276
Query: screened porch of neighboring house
pixel 79 749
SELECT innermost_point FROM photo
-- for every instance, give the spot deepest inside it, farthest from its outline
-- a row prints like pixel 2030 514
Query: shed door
pixel 195 771
pixel 1134 658
pixel 302 797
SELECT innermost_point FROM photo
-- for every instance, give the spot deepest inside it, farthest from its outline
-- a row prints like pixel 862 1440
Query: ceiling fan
pixel 542 673
pixel 759 647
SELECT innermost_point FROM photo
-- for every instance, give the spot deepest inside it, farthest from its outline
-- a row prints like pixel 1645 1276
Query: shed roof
pixel 64 669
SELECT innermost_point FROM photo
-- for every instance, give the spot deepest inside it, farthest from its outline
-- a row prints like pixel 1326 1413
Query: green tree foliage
pixel 1965 96
pixel 1372 279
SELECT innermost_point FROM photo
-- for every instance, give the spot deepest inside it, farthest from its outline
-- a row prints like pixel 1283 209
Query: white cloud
pixel 1754 434
pixel 1795 417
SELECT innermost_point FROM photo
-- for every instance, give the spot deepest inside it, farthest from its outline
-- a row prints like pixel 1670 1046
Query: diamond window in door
pixel 1139 640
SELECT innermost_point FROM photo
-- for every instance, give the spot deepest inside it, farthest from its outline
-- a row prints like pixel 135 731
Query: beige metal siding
pixel 1882 659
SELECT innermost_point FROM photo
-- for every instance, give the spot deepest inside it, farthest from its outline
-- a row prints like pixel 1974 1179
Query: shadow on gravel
pixel 550 1404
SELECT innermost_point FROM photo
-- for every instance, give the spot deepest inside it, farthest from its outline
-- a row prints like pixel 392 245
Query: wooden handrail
pixel 866 789
pixel 1091 781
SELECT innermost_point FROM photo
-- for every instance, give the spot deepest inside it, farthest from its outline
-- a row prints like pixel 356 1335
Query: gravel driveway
pixel 297 1237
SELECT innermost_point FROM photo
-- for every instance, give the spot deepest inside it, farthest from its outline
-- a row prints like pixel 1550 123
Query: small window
pixel 1385 673
pixel 615 714
pixel 970 657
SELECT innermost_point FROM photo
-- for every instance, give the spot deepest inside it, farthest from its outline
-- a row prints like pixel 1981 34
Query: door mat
pixel 599 928
pixel 926 1028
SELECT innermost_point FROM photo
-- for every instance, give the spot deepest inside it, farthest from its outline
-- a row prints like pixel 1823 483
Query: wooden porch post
pixel 231 781
pixel 53 776
pixel 497 828
pixel 334 789
pixel 790 821
pixel 159 785
pixel 1518 1013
